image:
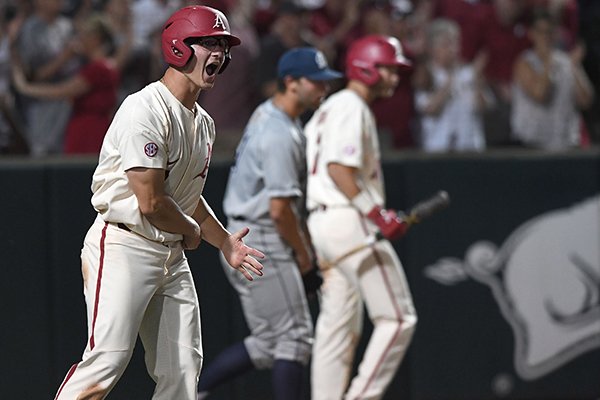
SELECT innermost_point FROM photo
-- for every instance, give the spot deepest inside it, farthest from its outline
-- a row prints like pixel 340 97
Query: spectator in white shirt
pixel 550 86
pixel 450 95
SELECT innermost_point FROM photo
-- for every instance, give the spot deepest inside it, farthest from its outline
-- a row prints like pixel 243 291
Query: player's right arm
pixel 159 208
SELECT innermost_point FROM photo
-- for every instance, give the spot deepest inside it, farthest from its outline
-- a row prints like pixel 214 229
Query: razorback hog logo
pixel 546 281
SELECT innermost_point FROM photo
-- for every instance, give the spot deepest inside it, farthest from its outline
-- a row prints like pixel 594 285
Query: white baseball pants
pixel 133 285
pixel 372 277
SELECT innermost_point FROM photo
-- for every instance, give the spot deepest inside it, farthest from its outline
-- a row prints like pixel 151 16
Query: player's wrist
pixel 193 228
pixel 364 203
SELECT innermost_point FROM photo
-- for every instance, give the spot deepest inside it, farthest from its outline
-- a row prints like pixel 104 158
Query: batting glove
pixel 392 227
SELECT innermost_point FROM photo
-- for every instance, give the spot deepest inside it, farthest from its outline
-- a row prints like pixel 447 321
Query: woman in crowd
pixel 450 95
pixel 550 86
pixel 93 89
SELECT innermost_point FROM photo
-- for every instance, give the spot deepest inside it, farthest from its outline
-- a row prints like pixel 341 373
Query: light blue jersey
pixel 269 162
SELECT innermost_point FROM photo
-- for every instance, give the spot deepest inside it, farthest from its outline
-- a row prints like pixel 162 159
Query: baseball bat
pixel 428 207
pixel 422 210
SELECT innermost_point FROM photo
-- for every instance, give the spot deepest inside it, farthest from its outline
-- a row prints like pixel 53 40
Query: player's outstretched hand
pixel 240 256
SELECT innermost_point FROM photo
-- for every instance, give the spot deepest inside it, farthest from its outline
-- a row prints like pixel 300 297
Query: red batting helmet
pixel 369 52
pixel 192 22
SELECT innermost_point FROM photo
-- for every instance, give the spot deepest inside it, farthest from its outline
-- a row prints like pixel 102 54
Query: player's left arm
pixel 237 254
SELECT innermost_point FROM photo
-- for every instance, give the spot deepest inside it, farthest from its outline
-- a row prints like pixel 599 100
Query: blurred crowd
pixel 486 73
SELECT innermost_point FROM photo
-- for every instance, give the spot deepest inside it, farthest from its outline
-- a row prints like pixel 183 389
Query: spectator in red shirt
pixel 504 39
pixel 335 26
pixel 93 89
pixel 395 115
pixel 288 30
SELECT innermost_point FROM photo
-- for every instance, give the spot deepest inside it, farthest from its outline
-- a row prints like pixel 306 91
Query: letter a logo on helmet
pixel 219 22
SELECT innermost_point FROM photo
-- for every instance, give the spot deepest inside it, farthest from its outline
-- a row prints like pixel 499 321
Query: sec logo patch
pixel 151 149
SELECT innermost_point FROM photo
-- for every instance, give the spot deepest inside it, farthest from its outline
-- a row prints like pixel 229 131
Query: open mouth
pixel 211 69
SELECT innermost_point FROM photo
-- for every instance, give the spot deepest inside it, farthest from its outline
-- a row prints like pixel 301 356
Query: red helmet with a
pixel 193 22
pixel 369 52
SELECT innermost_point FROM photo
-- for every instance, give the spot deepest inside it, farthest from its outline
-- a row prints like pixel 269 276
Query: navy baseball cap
pixel 306 62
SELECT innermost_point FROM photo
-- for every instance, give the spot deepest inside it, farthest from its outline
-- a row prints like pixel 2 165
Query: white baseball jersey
pixel 153 129
pixel 342 130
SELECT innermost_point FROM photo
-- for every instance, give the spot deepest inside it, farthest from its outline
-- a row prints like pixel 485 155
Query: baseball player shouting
pixel 147 190
pixel 345 197
pixel 266 191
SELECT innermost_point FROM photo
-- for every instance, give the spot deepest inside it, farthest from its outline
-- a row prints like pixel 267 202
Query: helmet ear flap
pixel 363 72
pixel 369 75
pixel 179 53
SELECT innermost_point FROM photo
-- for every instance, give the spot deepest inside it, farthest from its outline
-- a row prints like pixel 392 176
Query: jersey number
pixel 318 143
